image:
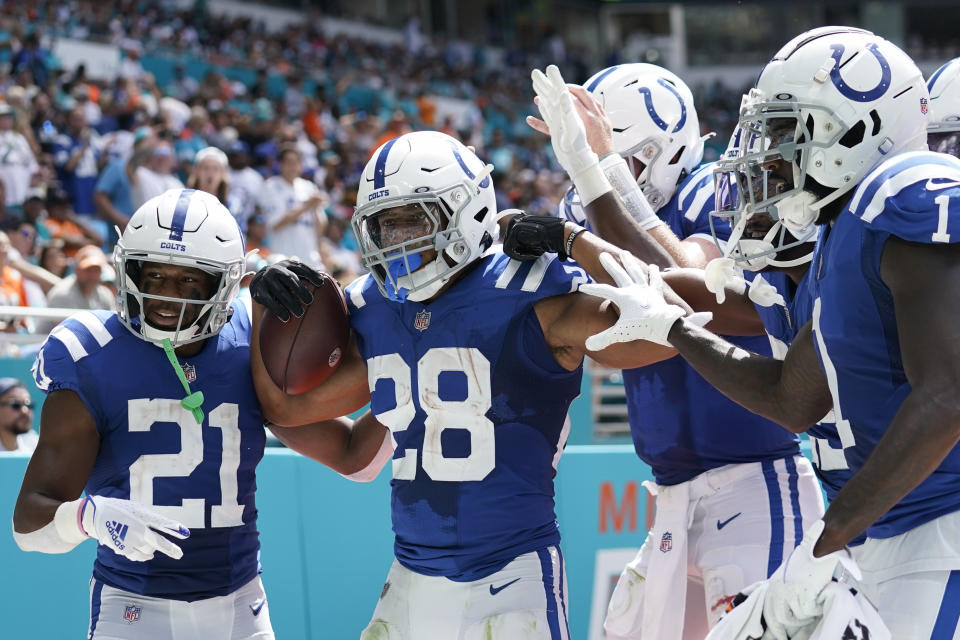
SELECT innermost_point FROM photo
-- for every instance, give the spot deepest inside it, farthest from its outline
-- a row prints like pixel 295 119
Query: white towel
pixel 847 614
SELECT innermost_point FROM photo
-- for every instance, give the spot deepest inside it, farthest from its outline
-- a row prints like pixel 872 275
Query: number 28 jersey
pixel 914 196
pixel 477 406
pixel 152 450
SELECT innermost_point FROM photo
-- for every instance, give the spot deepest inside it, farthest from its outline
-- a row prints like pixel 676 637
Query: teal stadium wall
pixel 327 542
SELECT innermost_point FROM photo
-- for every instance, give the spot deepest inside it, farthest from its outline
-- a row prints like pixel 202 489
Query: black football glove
pixel 281 287
pixel 529 237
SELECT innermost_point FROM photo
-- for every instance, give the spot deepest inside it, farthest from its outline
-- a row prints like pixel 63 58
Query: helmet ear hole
pixel 854 136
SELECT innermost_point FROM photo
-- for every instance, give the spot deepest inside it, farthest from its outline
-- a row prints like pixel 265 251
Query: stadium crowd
pixel 283 152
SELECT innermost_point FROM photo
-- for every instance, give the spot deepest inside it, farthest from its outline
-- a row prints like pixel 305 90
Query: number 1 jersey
pixel 477 407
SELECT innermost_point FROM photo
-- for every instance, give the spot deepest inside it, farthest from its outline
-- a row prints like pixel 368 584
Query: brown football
pixel 301 353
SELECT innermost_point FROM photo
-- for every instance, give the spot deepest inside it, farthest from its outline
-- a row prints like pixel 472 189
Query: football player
pixel 733 491
pixel 836 134
pixel 151 412
pixel 470 359
pixel 943 132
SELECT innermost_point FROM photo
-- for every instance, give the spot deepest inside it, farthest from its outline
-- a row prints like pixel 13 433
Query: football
pixel 301 353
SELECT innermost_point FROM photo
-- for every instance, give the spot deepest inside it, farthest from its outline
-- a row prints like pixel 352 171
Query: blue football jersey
pixel 782 325
pixel 477 407
pixel 153 451
pixel 680 424
pixel 913 196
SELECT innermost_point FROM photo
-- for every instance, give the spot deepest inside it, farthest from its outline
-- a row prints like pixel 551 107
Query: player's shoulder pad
pixel 914 196
pixel 362 292
pixel 695 194
pixel 546 276
pixel 82 335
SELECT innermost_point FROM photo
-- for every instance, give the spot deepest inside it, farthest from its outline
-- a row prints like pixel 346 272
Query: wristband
pixel 621 179
pixel 569 246
pixel 591 183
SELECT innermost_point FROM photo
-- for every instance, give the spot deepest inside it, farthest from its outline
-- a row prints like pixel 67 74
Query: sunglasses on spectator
pixel 17 405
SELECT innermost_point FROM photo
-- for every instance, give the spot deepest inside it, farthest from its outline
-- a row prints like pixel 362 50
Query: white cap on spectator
pixel 211 152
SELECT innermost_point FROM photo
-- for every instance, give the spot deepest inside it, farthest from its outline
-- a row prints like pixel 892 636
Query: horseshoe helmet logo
pixel 648 101
pixel 855 94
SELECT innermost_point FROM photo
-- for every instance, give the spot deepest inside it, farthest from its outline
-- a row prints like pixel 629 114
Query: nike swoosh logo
pixel 257 606
pixel 495 590
pixel 721 525
pixel 931 186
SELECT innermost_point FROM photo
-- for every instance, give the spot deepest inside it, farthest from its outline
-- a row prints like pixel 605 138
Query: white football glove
pixel 129 529
pixel 794 597
pixel 764 294
pixel 644 314
pixel 721 273
pixel 568 135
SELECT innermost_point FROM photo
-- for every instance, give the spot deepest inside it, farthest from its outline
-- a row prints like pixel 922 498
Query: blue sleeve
pixel 915 196
pixel 61 150
pixel 57 367
pixel 541 278
pixel 109 179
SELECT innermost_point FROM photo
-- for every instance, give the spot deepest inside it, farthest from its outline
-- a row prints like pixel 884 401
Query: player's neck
pixel 796 273
pixel 191 349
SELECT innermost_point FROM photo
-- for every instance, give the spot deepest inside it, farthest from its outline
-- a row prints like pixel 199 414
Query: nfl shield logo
pixel 190 372
pixel 666 542
pixel 923 106
pixel 131 613
pixel 422 320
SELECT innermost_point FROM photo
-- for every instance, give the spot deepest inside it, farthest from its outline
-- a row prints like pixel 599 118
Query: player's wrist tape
pixel 591 183
pixel 569 245
pixel 615 169
pixel 60 535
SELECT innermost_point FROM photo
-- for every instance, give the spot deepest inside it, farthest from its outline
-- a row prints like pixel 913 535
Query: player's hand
pixel 644 313
pixel 281 287
pixel 764 294
pixel 529 237
pixel 567 133
pixel 721 273
pixel 794 595
pixel 596 123
pixel 130 529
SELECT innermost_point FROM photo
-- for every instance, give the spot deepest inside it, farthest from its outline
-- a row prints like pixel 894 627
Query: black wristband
pixel 568 248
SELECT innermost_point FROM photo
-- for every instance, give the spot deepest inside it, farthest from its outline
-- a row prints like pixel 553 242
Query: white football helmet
pixel 943 132
pixel 654 124
pixel 829 106
pixel 444 194
pixel 184 227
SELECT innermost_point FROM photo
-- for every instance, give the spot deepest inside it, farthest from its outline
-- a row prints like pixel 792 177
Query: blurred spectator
pixel 24 240
pixel 257 235
pixel 293 210
pixel 12 292
pixel 53 259
pixel 397 126
pixel 33 59
pixel 17 162
pixel 156 174
pixel 35 214
pixel 76 156
pixel 114 193
pixel 209 173
pixel 245 181
pixel 66 226
pixel 16 417
pixel 81 289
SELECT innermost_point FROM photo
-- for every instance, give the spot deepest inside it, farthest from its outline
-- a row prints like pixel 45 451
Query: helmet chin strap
pixel 423 292
pixel 796 212
pixel 756 255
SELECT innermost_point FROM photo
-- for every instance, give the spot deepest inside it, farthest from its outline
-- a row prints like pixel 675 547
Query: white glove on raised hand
pixel 764 294
pixel 644 314
pixel 129 529
pixel 721 273
pixel 794 597
pixel 568 135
